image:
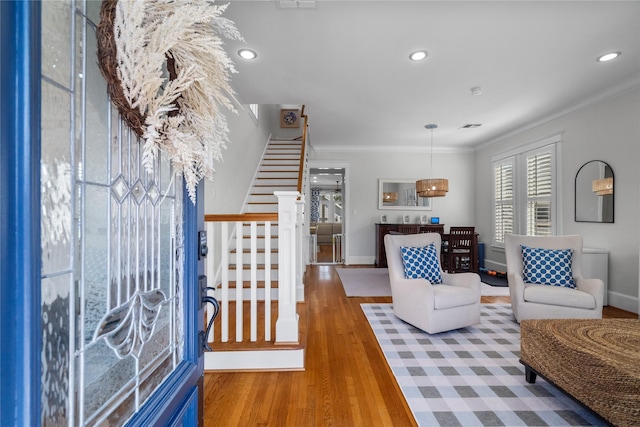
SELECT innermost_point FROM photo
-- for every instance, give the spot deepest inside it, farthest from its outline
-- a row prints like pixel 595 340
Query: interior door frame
pixel 338 164
pixel 178 401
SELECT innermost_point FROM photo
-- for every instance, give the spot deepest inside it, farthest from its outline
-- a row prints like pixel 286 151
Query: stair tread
pixel 258 266
pixel 303 326
pixel 248 251
pixel 247 284
pixel 273 185
pixel 277 178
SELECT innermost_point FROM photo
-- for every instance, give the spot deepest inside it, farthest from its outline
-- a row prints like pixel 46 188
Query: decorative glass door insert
pixel 112 251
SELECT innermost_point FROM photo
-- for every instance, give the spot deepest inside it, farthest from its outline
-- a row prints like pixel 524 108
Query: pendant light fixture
pixel 432 187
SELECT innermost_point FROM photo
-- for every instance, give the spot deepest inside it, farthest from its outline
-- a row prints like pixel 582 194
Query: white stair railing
pixel 227 233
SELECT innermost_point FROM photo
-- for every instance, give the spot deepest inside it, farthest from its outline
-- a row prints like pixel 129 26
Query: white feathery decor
pixel 181 112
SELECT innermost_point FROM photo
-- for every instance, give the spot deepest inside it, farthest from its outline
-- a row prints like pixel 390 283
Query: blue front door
pixel 100 296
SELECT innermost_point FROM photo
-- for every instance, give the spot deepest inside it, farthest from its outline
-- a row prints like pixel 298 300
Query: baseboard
pixel 492 265
pixel 623 301
pixel 360 260
pixel 271 360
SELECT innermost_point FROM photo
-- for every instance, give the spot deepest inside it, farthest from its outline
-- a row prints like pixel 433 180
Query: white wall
pixel 366 168
pixel 608 130
pixel 227 191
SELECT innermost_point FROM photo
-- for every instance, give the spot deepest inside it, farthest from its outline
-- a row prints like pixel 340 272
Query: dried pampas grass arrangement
pixel 168 75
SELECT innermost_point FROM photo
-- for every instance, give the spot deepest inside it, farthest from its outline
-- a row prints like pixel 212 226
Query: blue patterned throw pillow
pixel 548 266
pixel 421 263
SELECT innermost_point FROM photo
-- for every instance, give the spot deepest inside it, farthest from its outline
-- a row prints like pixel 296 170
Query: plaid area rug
pixel 471 376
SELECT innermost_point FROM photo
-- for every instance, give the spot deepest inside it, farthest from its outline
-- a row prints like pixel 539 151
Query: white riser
pixel 276 163
pixel 293 175
pixel 274 143
pixel 260 245
pixel 262 198
pixel 246 275
pixel 260 258
pixel 246 236
pixel 272 360
pixel 292 182
pixel 281 156
pixel 246 230
pixel 283 150
pixel 262 208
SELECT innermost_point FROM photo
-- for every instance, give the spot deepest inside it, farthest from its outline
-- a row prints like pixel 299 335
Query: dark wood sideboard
pixel 384 229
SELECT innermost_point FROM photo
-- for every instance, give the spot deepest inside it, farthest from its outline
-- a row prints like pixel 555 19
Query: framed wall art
pixel 289 118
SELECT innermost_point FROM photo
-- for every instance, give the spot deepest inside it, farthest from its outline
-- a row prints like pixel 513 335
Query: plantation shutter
pixel 525 190
pixel 503 192
pixel 539 167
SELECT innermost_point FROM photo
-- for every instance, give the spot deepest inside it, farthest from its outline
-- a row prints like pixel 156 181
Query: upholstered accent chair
pixel 452 304
pixel 529 276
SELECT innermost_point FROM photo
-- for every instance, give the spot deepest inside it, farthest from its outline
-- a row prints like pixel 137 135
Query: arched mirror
pixel 594 192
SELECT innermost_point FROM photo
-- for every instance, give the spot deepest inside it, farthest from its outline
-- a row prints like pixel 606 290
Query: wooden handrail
pixel 241 217
pixel 304 143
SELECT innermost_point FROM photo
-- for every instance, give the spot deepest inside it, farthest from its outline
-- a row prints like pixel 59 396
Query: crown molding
pixel 600 97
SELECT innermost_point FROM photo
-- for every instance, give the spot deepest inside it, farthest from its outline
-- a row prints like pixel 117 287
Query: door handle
pixel 216 309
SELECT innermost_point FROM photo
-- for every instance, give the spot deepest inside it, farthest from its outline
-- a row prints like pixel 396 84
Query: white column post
pixel 287 323
pixel 301 263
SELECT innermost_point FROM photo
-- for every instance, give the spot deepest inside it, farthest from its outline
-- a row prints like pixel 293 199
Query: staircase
pixel 278 171
pixel 262 322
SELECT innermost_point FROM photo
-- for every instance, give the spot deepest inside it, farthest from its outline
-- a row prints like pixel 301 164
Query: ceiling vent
pixel 297 4
pixel 470 126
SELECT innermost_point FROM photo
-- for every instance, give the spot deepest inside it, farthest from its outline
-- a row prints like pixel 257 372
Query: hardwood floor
pixel 347 381
pixel 325 253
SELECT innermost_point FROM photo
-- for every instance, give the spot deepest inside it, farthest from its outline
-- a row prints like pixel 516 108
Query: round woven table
pixel 596 361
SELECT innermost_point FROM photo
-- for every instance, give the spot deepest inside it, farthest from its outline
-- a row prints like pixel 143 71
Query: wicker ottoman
pixel 596 361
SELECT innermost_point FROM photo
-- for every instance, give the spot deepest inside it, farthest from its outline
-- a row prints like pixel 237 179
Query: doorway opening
pixel 327 214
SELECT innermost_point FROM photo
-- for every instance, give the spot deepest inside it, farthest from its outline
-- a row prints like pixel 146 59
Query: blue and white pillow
pixel 421 263
pixel 548 266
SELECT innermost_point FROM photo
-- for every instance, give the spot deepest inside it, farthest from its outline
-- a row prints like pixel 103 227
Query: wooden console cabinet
pixel 384 229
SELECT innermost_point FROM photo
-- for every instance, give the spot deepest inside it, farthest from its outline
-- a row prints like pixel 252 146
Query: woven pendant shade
pixel 602 187
pixel 389 197
pixel 434 187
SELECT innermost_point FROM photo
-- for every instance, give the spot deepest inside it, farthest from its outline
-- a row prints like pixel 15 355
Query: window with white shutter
pixel 539 193
pixel 525 191
pixel 503 190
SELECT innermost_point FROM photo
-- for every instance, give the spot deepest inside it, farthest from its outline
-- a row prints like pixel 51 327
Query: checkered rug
pixel 471 376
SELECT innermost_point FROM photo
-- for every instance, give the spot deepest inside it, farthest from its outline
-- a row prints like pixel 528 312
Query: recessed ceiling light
pixel 418 55
pixel 608 56
pixel 247 54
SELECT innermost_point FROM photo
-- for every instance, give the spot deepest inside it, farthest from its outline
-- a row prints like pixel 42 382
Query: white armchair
pixel 433 308
pixel 541 301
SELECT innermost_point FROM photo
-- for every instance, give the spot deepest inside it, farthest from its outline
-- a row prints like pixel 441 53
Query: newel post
pixel 287 323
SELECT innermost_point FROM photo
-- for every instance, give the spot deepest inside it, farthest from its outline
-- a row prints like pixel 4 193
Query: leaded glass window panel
pixel 111 241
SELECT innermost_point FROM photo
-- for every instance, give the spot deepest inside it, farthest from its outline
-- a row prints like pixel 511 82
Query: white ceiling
pixel 347 61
